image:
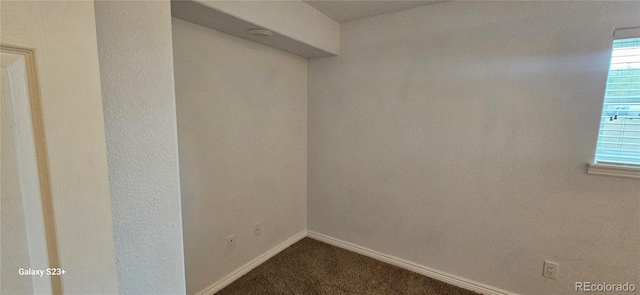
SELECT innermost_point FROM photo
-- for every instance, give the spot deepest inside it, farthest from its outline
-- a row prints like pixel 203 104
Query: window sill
pixel 614 170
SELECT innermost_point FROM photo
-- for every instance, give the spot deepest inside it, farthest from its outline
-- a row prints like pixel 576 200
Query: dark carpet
pixel 313 267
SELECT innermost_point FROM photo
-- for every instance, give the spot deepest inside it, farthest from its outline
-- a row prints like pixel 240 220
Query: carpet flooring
pixel 312 267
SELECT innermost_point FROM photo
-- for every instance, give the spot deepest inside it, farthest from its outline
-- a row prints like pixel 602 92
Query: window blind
pixel 619 136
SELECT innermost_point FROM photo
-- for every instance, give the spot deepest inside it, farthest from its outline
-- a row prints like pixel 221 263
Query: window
pixel 618 147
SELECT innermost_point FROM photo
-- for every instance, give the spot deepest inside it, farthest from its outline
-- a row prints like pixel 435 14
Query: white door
pixel 22 223
pixel 56 207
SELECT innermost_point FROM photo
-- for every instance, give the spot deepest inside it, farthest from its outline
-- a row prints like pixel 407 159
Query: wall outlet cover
pixel 231 242
pixel 257 229
pixel 550 270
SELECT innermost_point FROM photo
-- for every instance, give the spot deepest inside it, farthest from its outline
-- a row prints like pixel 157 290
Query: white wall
pixel 64 37
pixel 456 136
pixel 242 139
pixel 136 67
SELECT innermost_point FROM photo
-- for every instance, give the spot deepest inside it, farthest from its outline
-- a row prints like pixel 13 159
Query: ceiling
pixel 344 11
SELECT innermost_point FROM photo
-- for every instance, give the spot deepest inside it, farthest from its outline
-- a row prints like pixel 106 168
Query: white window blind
pixel 619 136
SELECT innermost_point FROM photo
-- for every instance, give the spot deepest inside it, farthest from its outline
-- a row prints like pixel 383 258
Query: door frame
pixel 37 121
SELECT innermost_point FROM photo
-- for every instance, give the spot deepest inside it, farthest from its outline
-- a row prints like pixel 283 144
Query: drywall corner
pixel 136 68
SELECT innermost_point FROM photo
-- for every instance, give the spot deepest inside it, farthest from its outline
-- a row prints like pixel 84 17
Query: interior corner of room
pixel 452 146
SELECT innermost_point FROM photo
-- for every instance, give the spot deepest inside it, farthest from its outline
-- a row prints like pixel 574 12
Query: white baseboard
pixel 236 274
pixel 423 270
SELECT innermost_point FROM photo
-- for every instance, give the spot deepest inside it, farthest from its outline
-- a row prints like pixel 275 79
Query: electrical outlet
pixel 231 242
pixel 550 270
pixel 257 229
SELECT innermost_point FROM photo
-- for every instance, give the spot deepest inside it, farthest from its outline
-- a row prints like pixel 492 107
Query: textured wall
pixel 242 129
pixel 64 37
pixel 136 67
pixel 456 136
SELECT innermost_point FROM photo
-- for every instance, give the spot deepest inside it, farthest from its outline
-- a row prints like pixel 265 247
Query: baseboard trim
pixel 414 267
pixel 236 274
pixel 423 270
